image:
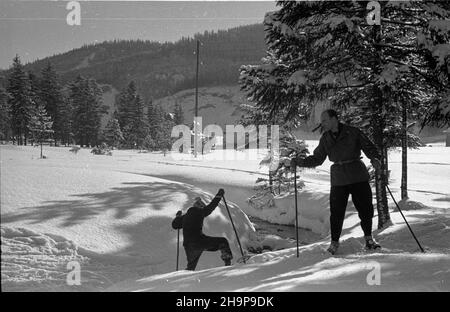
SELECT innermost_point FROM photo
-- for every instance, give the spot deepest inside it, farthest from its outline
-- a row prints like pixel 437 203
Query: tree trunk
pixel 381 174
pixel 41 149
pixel 380 184
pixel 270 182
pixel 386 166
pixel 378 126
pixel 19 138
pixel 404 185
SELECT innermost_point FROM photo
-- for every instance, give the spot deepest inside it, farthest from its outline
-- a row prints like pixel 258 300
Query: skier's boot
pixel 371 244
pixel 333 247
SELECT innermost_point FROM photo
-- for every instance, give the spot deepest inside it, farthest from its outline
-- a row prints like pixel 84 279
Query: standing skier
pixel 195 242
pixel 343 144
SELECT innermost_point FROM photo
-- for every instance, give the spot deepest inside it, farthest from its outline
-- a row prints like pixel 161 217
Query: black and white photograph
pixel 225 151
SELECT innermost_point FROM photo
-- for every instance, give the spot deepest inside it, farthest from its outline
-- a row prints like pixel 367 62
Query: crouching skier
pixel 195 242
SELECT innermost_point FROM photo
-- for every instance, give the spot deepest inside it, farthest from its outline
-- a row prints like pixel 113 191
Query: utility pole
pixel 196 102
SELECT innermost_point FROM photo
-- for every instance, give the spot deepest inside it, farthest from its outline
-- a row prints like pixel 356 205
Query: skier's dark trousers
pixel 343 144
pixel 194 241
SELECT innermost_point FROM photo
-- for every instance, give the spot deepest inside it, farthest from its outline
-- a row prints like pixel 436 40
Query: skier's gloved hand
pixel 300 162
pixel 179 213
pixel 221 192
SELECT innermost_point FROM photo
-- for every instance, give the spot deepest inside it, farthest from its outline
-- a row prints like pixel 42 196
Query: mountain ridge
pixel 162 69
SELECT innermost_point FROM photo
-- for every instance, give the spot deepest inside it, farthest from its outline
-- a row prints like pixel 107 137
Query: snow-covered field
pixel 112 215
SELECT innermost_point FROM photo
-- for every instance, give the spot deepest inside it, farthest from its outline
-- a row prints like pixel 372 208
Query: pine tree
pixel 126 113
pixel 112 133
pixel 140 124
pixel 162 139
pixel 20 101
pixel 51 95
pixel 95 111
pixel 155 117
pixel 64 123
pixel 149 143
pixel 408 77
pixel 85 98
pixel 5 115
pixel 327 50
pixel 160 126
pixel 34 95
pixel 40 125
pixel 34 88
pixel 289 147
pixel 178 114
pixel 131 116
pixel 77 99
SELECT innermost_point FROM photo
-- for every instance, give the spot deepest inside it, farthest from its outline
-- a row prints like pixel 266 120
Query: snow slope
pixel 112 214
pixel 401 265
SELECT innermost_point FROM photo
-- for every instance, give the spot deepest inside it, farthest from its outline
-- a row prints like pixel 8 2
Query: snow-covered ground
pixel 112 215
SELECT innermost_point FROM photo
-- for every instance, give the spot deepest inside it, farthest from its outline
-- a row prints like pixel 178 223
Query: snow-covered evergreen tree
pixel 112 134
pixel 149 143
pixel 64 122
pixel 155 118
pixel 51 95
pixel 85 98
pixel 140 127
pixel 131 117
pixel 280 179
pixel 5 115
pixel 165 139
pixel 327 50
pixel 40 125
pixel 158 125
pixel 178 114
pixel 126 102
pixel 34 89
pixel 20 101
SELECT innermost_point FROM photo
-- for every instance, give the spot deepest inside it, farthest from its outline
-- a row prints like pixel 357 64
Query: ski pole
pixel 235 232
pixel 178 247
pixel 404 219
pixel 296 210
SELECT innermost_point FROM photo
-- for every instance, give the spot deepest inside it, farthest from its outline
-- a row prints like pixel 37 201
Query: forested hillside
pixel 161 69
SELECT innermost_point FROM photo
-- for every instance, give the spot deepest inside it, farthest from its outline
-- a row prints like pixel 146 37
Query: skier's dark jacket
pixel 345 152
pixel 193 222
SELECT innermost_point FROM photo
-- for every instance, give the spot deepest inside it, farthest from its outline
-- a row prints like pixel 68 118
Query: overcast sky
pixel 36 29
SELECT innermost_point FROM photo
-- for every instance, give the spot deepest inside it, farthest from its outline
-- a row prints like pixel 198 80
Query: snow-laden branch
pixel 397 46
pixel 388 21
